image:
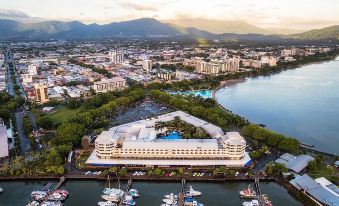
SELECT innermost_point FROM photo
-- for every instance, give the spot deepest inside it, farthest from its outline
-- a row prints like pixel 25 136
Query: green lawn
pixel 63 114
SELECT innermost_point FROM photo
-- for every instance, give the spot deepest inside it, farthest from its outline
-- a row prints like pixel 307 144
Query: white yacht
pixel 170 199
pixel 128 200
pixel 107 203
pixel 1 190
pixel 134 193
pixel 38 195
pixel 115 196
pixel 252 203
pixel 51 203
pixel 192 193
pixel 112 194
pixel 34 203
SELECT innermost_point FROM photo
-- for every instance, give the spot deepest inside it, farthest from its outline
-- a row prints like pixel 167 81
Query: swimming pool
pixel 202 93
pixel 172 135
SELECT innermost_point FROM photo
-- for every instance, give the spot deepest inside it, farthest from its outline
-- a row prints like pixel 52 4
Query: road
pixel 24 142
pixel 25 145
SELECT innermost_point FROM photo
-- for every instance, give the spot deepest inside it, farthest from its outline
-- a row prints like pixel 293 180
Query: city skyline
pixel 298 15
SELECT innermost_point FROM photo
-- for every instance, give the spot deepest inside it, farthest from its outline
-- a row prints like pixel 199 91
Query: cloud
pixel 139 7
pixel 18 16
pixel 12 14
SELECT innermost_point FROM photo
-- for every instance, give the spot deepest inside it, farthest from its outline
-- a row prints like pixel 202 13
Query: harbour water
pixel 87 193
pixel 303 103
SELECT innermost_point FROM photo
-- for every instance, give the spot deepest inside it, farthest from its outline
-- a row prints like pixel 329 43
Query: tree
pixel 70 133
pixel 159 172
pixel 273 139
pixel 19 100
pixel 289 145
pixel 255 155
pixel 200 133
pixel 4 113
pixel 84 118
pixel 181 171
pixel 64 150
pixel 45 122
pixel 123 172
pixel 73 103
pixel 275 169
pixel 53 158
pixel 113 170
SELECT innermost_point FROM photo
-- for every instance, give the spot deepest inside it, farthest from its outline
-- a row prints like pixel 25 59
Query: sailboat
pixel 112 194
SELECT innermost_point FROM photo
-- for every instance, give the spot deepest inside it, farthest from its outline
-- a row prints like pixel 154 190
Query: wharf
pixel 128 187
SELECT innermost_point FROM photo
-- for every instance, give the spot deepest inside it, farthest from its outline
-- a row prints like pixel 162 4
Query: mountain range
pixel 229 26
pixel 145 27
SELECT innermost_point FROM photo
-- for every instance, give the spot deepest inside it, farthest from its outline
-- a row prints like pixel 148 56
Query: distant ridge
pixel 331 32
pixel 144 27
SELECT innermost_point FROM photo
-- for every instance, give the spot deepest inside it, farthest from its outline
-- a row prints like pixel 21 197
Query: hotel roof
pixel 178 144
pixel 144 130
pixel 295 163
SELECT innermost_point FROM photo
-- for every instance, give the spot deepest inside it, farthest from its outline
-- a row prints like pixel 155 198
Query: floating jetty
pixel 261 199
pixel 47 196
pixel 128 187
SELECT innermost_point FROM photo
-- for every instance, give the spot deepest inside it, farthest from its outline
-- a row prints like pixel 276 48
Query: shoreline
pixel 235 81
pixel 231 82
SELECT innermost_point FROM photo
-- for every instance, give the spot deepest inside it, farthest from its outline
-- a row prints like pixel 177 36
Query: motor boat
pixel 34 203
pixel 38 195
pixel 128 200
pixel 1 190
pixel 107 203
pixel 192 193
pixel 51 203
pixel 252 203
pixel 134 193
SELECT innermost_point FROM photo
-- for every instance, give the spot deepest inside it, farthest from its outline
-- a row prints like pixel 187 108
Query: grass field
pixel 64 114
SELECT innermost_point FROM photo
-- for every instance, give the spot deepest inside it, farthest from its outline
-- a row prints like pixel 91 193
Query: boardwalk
pixel 128 187
pixel 62 180
pixel 181 196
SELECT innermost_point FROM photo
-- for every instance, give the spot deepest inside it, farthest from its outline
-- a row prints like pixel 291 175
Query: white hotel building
pixel 136 144
pixel 116 57
pixel 106 85
pixel 215 67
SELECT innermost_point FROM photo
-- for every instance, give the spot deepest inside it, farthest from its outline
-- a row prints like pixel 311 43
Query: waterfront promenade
pixel 138 178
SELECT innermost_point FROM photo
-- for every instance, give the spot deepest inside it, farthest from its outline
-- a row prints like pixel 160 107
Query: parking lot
pixel 142 110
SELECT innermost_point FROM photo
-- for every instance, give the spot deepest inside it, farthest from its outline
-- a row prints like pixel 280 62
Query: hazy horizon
pixel 295 15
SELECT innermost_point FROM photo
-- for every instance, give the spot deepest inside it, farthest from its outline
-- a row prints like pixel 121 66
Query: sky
pixel 292 14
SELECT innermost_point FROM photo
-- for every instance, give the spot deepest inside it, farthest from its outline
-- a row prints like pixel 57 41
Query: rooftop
pixel 144 130
pixel 295 163
pixel 321 193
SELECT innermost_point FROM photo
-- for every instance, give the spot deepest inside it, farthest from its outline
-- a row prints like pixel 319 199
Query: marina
pixel 151 193
pixel 49 197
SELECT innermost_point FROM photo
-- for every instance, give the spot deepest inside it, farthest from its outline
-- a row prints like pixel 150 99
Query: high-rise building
pixel 32 69
pixel 215 67
pixel 105 85
pixel 147 65
pixel 41 92
pixel 116 57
